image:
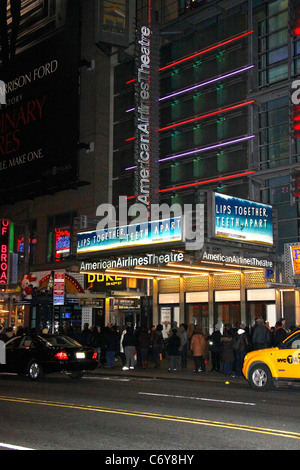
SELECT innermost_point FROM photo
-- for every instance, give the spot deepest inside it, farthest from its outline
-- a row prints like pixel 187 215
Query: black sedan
pixel 39 354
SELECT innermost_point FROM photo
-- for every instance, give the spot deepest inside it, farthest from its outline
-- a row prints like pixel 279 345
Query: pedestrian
pixel 129 345
pixel 86 335
pixel 227 354
pixel 183 345
pixel 280 334
pixel 122 353
pixel 144 344
pixel 198 347
pixel 260 335
pixel 173 346
pixel 215 348
pixel 97 341
pixel 112 342
pixel 157 346
pixel 283 322
pixel 241 346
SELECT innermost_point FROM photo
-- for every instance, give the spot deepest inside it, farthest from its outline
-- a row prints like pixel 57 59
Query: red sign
pixel 4 251
pixel 62 242
pixel 59 288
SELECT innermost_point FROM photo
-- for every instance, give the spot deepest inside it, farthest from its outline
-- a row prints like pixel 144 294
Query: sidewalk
pixel 163 373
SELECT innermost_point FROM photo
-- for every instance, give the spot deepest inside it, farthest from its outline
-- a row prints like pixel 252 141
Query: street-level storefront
pixel 191 290
pixel 231 276
pixel 48 308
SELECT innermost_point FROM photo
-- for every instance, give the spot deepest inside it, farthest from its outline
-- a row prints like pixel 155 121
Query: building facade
pixel 225 125
pixel 54 154
pixel 174 102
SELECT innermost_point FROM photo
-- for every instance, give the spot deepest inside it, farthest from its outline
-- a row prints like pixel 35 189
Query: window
pixel 20 242
pixel 14 343
pixel 273 42
pixel 277 193
pixel 294 342
pixel 59 237
pixel 274 133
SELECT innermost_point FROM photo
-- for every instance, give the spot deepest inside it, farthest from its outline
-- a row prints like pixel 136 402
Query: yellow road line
pixel 140 414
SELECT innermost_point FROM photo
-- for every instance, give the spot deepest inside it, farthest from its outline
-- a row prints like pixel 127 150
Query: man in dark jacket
pixel 112 342
pixel 215 349
pixel 173 346
pixel 260 335
pixel 280 334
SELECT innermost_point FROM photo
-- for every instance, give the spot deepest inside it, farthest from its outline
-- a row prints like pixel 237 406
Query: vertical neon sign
pixel 143 117
pixel 146 138
pixel 296 83
pixel 4 251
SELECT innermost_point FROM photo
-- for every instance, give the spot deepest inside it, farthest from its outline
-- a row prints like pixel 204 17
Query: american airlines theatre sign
pixel 143 116
pixel 146 115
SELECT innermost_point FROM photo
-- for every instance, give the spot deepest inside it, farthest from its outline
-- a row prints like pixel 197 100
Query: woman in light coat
pixel 198 348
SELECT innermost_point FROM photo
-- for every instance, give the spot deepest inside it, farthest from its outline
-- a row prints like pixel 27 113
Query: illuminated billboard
pixel 39 123
pixel 295 254
pixel 146 233
pixel 241 220
pixel 113 22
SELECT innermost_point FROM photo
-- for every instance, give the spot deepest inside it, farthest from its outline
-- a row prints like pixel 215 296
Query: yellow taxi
pixel 266 368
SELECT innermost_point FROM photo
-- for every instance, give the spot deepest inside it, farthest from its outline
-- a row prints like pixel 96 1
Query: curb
pixel 165 375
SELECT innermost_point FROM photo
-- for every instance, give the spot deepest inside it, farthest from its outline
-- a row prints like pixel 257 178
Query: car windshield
pixel 58 340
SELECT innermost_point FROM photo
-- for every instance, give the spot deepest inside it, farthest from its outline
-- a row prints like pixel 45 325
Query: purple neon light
pixel 211 147
pixel 128 110
pixel 192 152
pixel 206 83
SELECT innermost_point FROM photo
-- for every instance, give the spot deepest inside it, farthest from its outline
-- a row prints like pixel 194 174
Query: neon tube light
pixel 211 147
pixel 198 183
pixel 185 90
pixel 130 138
pixel 130 81
pixel 203 149
pixel 219 111
pixel 220 44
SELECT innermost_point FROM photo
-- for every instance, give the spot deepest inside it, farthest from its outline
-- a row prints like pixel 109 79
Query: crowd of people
pixel 142 347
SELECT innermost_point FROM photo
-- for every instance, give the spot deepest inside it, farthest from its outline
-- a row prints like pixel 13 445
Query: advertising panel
pixel 147 233
pixel 242 220
pixel 59 288
pixel 103 282
pixel 295 253
pixel 114 22
pixel 39 122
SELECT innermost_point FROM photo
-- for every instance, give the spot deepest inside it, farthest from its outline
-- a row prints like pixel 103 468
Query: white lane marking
pixel 198 398
pixel 10 446
pixel 118 379
pixel 106 378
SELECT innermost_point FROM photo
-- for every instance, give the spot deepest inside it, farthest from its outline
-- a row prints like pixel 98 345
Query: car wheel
pixel 76 375
pixel 34 370
pixel 260 378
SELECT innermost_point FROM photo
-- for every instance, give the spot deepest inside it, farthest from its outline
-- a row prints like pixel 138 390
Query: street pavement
pixel 164 373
